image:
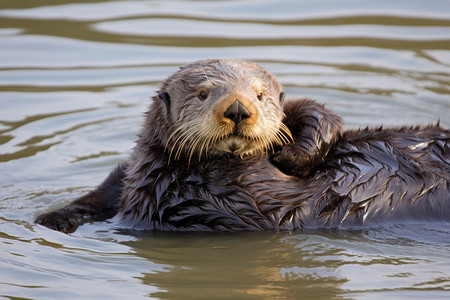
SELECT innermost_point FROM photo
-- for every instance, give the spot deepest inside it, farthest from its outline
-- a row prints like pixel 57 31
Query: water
pixel 75 79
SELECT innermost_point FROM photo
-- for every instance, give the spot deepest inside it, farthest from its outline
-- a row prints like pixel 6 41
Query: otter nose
pixel 237 112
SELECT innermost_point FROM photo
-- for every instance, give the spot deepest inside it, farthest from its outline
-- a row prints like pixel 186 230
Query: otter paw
pixel 292 160
pixel 58 220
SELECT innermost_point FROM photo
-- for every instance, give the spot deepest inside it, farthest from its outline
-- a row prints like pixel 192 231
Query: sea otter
pixel 222 150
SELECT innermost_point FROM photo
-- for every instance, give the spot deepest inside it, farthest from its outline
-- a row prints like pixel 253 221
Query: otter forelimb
pixel 315 129
pixel 98 205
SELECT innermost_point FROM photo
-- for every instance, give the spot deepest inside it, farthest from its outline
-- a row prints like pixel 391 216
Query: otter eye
pixel 259 96
pixel 203 95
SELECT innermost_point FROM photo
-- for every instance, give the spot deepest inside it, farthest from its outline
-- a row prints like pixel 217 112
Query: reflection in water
pixel 236 266
pixel 319 264
pixel 75 79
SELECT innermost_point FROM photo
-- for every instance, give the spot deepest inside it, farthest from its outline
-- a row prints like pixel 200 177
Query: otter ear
pixel 282 97
pixel 166 98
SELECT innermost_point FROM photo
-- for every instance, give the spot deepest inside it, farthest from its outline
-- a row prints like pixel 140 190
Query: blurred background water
pixel 76 77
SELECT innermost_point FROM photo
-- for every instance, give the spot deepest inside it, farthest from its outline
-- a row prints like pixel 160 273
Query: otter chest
pixel 249 195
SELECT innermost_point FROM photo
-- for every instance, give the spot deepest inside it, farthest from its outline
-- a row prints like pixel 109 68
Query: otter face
pixel 223 106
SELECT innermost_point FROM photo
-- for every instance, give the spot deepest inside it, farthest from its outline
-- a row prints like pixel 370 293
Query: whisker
pixel 187 135
pixel 178 134
pixel 207 140
pixel 285 133
pixel 194 145
pixel 193 138
pixel 262 140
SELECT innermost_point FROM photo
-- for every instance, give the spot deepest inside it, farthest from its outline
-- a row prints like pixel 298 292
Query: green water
pixel 75 79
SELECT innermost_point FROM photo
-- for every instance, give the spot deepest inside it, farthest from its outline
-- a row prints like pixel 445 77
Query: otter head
pixel 217 107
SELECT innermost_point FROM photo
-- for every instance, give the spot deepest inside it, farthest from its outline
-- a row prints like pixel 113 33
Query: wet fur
pixel 325 178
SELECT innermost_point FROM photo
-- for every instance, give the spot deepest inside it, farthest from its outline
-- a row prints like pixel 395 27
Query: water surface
pixel 75 79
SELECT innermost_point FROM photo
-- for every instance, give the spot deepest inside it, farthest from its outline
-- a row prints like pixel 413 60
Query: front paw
pixel 292 160
pixel 59 220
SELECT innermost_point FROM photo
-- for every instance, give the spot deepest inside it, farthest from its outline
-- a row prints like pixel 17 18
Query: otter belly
pixel 370 177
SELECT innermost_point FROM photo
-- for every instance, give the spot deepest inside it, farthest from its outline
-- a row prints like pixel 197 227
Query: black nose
pixel 237 112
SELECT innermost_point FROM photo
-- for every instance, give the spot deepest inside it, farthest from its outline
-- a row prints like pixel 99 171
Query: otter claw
pixel 57 220
pixel 292 160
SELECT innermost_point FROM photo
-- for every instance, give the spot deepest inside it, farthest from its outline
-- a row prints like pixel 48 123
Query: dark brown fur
pixel 325 178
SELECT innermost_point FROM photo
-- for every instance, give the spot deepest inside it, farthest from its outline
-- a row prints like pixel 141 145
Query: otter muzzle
pixel 237 112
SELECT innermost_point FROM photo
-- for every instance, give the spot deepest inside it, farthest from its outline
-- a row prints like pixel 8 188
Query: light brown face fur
pixel 200 94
